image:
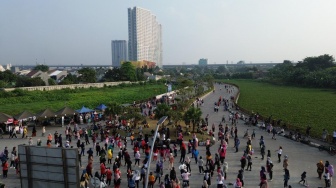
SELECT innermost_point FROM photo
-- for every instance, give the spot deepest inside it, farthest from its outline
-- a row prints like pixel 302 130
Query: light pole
pixel 161 121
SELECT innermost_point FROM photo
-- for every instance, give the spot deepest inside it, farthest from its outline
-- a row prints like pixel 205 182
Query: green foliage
pixel 311 72
pixel 113 108
pixel 317 63
pixel 193 115
pixel 43 68
pixel 7 76
pixel 29 82
pixel 112 75
pixel 161 110
pixel 128 72
pixel 18 100
pixel 69 79
pixel 51 82
pixel 295 106
pixel 88 75
pixel 175 116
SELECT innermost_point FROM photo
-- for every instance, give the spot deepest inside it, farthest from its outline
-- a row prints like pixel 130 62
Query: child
pixel 200 165
pixel 303 177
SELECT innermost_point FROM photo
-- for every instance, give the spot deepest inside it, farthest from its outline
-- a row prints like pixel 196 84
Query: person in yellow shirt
pixel 25 131
pixel 151 180
pixel 109 156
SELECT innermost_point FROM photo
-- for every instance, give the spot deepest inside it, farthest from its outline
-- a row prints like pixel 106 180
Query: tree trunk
pixel 193 126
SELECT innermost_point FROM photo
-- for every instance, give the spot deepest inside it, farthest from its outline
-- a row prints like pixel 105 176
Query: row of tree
pixel 127 72
pixel 311 72
pixel 190 115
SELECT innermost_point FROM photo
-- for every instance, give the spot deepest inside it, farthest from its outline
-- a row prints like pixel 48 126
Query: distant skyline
pixel 80 31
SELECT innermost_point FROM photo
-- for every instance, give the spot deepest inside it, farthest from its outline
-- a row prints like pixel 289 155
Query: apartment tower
pixel 144 36
pixel 119 52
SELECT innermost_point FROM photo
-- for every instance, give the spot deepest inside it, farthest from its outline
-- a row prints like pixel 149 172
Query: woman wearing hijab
pixel 237 184
pixel 320 169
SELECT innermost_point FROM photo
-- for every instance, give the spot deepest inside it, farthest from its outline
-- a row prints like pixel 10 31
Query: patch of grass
pixel 35 101
pixel 298 107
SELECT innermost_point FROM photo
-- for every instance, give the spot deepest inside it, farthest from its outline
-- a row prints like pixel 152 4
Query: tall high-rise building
pixel 144 36
pixel 119 52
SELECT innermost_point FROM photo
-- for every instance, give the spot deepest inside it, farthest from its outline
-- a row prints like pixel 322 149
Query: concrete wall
pixel 71 86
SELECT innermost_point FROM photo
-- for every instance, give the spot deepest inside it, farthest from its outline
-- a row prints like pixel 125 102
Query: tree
pixel 193 115
pixel 29 82
pixel 175 116
pixel 51 82
pixel 317 63
pixel 161 110
pixel 113 109
pixel 69 79
pixel 88 75
pixel 8 76
pixel 221 69
pixel 128 72
pixel 43 68
pixel 133 114
pixel 140 74
pixel 112 75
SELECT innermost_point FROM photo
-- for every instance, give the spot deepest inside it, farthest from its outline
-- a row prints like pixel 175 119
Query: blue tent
pixel 101 107
pixel 84 110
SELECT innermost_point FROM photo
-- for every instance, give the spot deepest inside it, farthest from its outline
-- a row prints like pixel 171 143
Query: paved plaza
pixel 301 157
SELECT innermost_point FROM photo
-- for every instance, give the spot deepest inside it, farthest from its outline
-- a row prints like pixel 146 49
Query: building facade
pixel 119 52
pixel 144 36
pixel 203 62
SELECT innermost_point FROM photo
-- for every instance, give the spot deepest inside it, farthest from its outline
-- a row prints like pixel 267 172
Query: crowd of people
pixel 122 160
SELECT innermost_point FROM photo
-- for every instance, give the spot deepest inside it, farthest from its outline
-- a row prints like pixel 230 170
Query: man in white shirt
pixel 183 168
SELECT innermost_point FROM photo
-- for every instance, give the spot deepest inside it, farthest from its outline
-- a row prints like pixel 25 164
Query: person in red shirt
pixel 108 176
pixel 102 170
pixel 117 178
pixel 5 169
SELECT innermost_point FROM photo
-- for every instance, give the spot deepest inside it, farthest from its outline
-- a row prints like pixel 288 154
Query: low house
pixel 37 73
pixel 57 75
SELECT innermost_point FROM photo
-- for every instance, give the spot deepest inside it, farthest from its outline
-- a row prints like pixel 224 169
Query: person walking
pixel 270 170
pixel 262 151
pixel 187 162
pixel 279 154
pixel 286 178
pixel 237 142
pixel 225 169
pixel 327 179
pixel 200 165
pixel 320 169
pixel 196 153
pixel 43 131
pixel 249 162
pixel 303 178
pixel 331 172
pixel 4 169
pixel 285 162
pixel 171 161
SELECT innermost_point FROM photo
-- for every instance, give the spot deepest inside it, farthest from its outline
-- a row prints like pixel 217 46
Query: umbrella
pixel 84 110
pixel 101 107
pixel 4 117
pixel 23 115
pixel 65 110
pixel 46 113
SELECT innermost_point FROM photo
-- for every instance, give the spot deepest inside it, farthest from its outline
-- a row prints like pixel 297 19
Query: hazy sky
pixel 80 31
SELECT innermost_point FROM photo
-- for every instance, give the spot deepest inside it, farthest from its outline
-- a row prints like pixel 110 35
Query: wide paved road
pixel 301 157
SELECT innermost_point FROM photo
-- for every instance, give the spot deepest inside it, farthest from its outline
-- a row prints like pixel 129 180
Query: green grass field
pixel 298 107
pixel 35 101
